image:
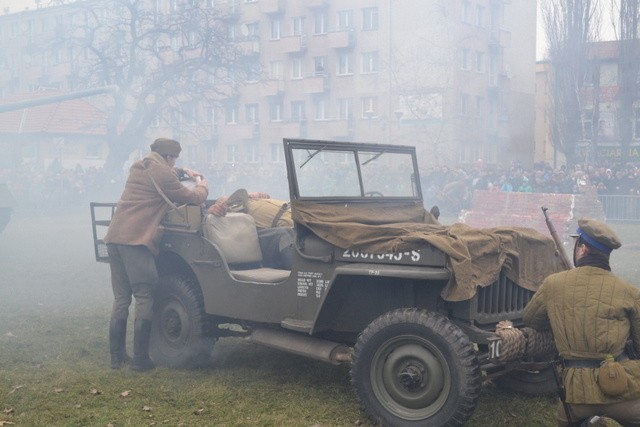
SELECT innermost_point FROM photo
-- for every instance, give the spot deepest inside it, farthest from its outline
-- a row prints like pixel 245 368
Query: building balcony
pixel 244 130
pixel 230 11
pixel 317 83
pixel 294 44
pixel 499 39
pixel 271 87
pixel 316 3
pixel 341 39
pixel 272 6
pixel 294 129
pixel 330 129
pixel 249 47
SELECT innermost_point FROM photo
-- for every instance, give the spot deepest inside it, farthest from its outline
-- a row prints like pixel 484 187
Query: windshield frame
pixel 314 148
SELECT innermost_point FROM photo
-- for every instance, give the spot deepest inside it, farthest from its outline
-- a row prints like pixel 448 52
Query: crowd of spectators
pixel 55 186
pixel 450 188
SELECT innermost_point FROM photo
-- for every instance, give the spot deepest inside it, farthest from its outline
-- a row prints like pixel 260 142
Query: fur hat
pixel 598 234
pixel 166 147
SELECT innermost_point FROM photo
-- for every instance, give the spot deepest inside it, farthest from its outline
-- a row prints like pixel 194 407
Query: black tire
pixel 530 383
pixel 178 332
pixel 413 368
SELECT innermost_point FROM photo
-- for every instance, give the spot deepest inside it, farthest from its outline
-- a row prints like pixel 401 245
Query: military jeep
pixel 369 286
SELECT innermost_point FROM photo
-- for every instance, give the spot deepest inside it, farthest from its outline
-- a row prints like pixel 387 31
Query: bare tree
pixel 625 17
pixel 569 25
pixel 159 62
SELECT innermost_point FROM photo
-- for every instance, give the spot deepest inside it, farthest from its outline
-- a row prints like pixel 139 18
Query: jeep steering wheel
pixel 373 194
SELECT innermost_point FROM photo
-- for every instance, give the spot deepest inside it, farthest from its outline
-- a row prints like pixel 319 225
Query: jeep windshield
pixel 339 170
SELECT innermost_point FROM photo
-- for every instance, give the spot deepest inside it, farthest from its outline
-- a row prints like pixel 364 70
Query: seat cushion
pixel 236 236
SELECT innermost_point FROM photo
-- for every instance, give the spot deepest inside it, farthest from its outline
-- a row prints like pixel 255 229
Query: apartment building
pixel 455 78
pixel 602 110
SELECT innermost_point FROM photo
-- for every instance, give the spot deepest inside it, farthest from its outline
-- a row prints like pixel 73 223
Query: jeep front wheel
pixel 412 368
pixel 178 331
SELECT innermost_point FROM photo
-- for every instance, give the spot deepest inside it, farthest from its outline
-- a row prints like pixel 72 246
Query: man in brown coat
pixel 133 241
pixel 592 314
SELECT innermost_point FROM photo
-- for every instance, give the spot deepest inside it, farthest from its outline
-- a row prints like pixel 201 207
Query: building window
pixel 370 62
pixel 370 18
pixel 253 71
pixel 275 29
pixel 319 65
pixel 588 76
pixel 319 23
pixel 252 30
pixel 231 114
pixel 252 113
pixel 320 109
pixel 466 12
pixel 480 16
pixel 345 20
pixel 211 154
pixel 277 153
pixel 344 108
pixel 231 32
pixel 252 151
pixel 192 154
pixel 464 104
pixel 296 68
pixel 275 70
pixel 464 59
pixel 297 26
pixel 298 111
pixel 344 65
pixel 479 106
pixel 190 113
pixel 480 62
pixel 275 111
pixel 369 107
pixel 233 153
pixel 587 125
pixel 211 116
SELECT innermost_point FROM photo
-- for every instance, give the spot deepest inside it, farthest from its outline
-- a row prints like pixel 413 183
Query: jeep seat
pixel 236 236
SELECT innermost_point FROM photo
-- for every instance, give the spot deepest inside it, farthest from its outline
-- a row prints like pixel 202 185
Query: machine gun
pixel 559 246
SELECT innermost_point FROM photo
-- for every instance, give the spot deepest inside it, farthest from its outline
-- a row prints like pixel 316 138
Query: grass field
pixel 54 310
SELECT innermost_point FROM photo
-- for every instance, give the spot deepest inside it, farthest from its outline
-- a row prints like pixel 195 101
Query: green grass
pixel 54 310
pixel 55 372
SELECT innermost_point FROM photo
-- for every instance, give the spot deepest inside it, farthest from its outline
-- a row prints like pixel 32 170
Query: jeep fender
pixel 360 292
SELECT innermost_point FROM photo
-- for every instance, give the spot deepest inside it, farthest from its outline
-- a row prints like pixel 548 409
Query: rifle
pixel 559 246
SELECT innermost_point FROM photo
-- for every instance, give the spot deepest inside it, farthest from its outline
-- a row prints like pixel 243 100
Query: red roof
pixel 75 116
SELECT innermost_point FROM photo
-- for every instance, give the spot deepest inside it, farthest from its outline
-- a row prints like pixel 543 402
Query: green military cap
pixel 166 147
pixel 598 234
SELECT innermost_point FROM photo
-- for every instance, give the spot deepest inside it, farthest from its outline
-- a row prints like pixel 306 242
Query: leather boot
pixel 117 343
pixel 141 335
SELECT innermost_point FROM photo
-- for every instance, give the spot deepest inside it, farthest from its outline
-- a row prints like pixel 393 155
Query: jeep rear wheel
pixel 412 368
pixel 178 329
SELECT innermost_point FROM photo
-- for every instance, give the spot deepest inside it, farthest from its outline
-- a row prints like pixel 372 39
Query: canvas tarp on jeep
pixel 476 256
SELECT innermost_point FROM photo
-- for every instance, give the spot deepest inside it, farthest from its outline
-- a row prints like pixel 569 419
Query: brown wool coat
pixel 591 313
pixel 141 208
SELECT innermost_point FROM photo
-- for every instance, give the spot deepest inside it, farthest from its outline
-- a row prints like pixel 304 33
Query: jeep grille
pixel 501 300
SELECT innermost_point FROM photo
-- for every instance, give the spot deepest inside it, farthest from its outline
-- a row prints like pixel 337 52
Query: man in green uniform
pixel 592 314
pixel 133 241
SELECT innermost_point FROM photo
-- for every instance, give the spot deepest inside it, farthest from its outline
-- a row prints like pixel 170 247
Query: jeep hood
pixel 476 256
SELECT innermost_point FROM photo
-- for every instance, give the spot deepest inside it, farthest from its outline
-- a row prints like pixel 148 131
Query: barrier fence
pixel 621 208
